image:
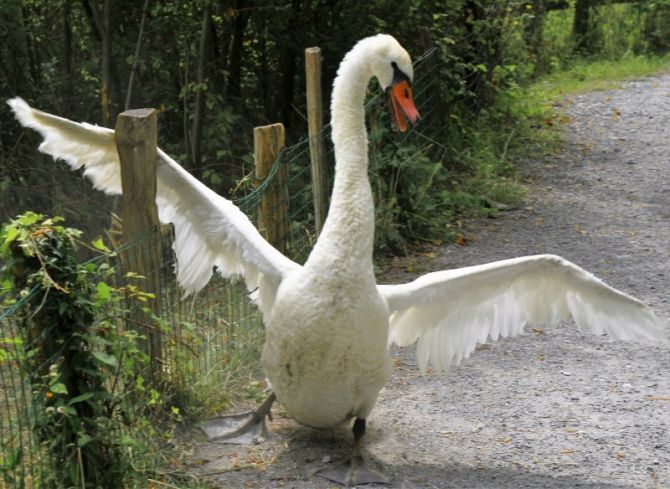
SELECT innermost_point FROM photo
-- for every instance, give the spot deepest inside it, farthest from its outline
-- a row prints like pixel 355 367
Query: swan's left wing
pixel 450 312
pixel 210 231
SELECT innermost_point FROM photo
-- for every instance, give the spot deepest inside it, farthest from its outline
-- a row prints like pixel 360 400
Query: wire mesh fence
pixel 209 335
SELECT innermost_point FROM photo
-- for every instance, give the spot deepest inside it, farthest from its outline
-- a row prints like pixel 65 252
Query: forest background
pixel 217 69
pixel 491 90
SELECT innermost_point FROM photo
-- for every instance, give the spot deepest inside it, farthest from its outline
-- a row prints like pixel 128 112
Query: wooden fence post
pixel 317 148
pixel 136 142
pixel 273 210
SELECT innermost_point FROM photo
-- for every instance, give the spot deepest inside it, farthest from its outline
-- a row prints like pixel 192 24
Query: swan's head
pixel 392 67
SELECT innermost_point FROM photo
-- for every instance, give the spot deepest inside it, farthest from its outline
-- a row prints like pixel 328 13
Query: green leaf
pixel 67 410
pixel 12 341
pixel 11 460
pixel 29 218
pixel 104 291
pixel 11 235
pixel 106 358
pixel 6 285
pixel 99 244
pixel 81 398
pixel 58 388
pixel 126 441
pixel 83 439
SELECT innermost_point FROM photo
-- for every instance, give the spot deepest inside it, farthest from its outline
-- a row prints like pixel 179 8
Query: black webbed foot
pixel 357 470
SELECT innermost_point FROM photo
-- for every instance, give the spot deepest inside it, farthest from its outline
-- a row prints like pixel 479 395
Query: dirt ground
pixel 550 409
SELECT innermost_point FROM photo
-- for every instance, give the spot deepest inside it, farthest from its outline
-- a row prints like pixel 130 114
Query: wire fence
pixel 209 337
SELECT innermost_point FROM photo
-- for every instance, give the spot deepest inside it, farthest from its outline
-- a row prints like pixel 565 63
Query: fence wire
pixel 208 336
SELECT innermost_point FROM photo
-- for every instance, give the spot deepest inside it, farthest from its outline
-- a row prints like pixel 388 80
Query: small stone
pixel 327 459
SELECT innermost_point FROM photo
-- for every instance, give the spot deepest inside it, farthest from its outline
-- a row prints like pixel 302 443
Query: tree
pixel 201 89
pixel 533 32
pixel 581 27
pixel 100 14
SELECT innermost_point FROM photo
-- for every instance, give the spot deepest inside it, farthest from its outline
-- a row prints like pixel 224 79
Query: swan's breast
pixel 326 353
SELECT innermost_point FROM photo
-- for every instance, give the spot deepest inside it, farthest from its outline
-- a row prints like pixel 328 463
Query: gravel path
pixel 553 408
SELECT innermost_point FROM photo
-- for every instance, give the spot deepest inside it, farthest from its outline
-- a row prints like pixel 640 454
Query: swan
pixel 328 323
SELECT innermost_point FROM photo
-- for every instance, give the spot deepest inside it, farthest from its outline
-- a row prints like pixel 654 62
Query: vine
pixel 77 364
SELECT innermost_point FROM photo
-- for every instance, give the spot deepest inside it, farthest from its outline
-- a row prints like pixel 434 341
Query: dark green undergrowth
pixel 89 416
pixel 504 109
pixel 226 69
pixel 493 99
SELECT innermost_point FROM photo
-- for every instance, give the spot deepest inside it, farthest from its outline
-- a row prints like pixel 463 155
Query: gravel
pixel 550 409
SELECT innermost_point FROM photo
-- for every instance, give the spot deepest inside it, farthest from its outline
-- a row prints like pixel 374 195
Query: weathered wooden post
pixel 317 148
pixel 273 210
pixel 136 141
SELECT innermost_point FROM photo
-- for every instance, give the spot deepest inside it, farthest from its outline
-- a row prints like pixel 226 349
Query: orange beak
pixel 401 104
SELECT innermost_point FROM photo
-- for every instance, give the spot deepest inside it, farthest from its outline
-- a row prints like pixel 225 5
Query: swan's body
pixel 326 352
pixel 322 378
pixel 328 322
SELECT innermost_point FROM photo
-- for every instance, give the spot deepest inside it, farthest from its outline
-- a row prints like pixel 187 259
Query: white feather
pixel 210 231
pixel 450 312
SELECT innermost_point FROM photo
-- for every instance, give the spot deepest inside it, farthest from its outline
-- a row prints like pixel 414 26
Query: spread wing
pixel 450 312
pixel 210 231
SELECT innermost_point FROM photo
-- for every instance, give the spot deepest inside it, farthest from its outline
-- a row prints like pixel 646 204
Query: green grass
pixel 587 76
pixel 617 31
pixel 538 107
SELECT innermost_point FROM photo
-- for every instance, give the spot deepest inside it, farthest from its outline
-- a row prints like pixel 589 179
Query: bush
pixel 85 373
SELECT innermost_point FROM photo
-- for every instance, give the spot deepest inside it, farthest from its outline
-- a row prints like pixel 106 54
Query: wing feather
pixel 210 231
pixel 449 313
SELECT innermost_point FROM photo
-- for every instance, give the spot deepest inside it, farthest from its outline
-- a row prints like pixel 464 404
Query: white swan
pixel 328 323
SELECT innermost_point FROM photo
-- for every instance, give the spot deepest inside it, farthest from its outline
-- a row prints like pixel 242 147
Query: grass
pixel 538 107
pixel 617 31
pixel 587 76
pixel 618 36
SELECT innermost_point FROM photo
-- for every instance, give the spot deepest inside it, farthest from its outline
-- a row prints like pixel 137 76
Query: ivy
pixel 71 359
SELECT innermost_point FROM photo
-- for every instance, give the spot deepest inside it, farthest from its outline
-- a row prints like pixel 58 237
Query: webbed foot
pixel 242 429
pixel 357 470
pixel 354 472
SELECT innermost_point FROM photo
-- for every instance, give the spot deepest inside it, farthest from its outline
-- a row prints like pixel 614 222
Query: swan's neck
pixel 348 233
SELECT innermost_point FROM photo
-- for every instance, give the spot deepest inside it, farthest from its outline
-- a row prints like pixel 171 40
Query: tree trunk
pixel 581 26
pixel 533 34
pixel 138 47
pixel 101 19
pixel 199 112
pixel 221 52
pixel 264 69
pixel 67 57
pixel 236 52
pixel 34 64
pixel 289 59
pixel 17 48
pixel 106 65
pixel 474 78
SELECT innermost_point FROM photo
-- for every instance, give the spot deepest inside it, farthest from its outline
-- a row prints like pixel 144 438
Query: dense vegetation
pixel 95 412
pixel 216 69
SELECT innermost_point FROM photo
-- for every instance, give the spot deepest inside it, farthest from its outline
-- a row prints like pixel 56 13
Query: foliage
pixel 489 97
pixel 92 411
pixel 656 25
pixel 246 64
pixel 69 362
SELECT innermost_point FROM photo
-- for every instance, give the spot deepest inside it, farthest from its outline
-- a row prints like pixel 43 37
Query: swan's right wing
pixel 451 311
pixel 210 231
